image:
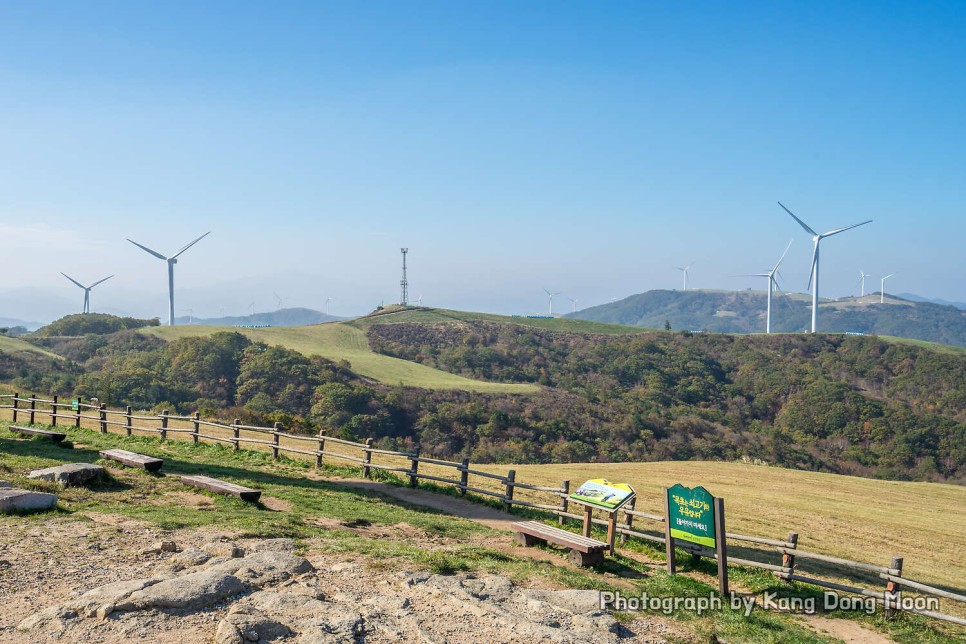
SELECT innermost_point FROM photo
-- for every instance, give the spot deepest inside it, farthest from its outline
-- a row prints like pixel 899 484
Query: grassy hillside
pixel 16 345
pixel 341 341
pixel 744 312
pixel 426 315
pixel 844 516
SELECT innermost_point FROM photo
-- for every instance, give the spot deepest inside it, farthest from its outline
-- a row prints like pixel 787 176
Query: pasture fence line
pixel 782 557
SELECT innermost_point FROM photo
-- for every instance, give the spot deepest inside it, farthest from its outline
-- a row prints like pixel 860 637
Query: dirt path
pixel 451 505
pixel 846 630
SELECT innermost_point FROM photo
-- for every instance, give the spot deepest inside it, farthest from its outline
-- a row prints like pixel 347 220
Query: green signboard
pixel 75 405
pixel 691 514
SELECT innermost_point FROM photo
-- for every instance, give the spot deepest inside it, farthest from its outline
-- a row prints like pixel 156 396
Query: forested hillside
pixel 846 404
pixel 744 312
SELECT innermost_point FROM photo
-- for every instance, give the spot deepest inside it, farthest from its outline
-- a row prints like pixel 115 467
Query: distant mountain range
pixel 14 322
pixel 281 317
pixel 744 312
pixel 918 298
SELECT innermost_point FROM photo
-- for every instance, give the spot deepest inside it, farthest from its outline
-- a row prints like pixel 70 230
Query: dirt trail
pixel 485 515
pixel 846 630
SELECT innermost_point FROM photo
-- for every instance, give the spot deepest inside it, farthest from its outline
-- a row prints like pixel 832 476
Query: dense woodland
pixel 843 404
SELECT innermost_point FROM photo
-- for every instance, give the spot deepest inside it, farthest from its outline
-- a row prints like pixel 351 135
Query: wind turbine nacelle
pixel 173 260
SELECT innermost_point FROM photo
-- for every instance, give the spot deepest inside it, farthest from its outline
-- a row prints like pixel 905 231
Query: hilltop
pixel 744 312
pixel 282 317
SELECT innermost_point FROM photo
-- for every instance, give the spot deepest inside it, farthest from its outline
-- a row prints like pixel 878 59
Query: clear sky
pixel 584 147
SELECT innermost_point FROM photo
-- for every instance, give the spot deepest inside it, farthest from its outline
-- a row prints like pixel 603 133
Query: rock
pixel 159 547
pixel 575 601
pixel 267 615
pixel 72 474
pixel 191 557
pixel 14 500
pixel 274 545
pixel 5 484
pixel 223 549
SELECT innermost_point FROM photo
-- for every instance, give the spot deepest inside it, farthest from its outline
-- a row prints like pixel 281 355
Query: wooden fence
pixel 782 557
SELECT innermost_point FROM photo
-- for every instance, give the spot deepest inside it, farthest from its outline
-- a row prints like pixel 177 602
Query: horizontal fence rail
pixel 503 488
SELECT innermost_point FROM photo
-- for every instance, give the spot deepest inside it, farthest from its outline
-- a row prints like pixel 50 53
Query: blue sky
pixel 583 147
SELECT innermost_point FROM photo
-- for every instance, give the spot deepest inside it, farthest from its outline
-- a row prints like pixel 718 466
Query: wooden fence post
pixel 127 420
pixel 892 595
pixel 16 399
pixel 788 561
pixel 276 428
pixel 33 406
pixel 629 518
pixel 464 469
pixel 164 424
pixel 564 500
pixel 196 427
pixel 721 545
pixel 415 467
pixel 366 470
pixel 318 457
pixel 236 433
pixel 668 539
pixel 53 412
pixel 77 418
pixel 511 476
pixel 588 520
pixel 612 531
pixel 102 413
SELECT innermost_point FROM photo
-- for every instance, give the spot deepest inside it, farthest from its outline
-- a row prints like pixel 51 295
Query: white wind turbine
pixel 171 262
pixel 551 298
pixel 280 299
pixel 87 290
pixel 882 288
pixel 685 270
pixel 772 283
pixel 862 276
pixel 419 301
pixel 817 240
pixel 574 301
pixel 326 307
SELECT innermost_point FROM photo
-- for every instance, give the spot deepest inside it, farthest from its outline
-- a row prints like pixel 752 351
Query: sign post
pixel 695 516
pixel 610 497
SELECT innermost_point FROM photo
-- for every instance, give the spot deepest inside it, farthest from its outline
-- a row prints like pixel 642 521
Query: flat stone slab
pixel 132 459
pixel 69 475
pixel 14 500
pixel 222 487
pixel 4 484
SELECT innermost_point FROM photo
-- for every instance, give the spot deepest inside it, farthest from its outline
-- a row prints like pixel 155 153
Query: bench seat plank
pixel 223 487
pixel 559 536
pixel 33 431
pixel 132 459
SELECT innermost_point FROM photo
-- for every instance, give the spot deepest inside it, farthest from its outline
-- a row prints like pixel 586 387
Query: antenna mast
pixel 404 283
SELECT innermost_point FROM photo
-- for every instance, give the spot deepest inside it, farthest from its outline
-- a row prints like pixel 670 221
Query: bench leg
pixel 586 558
pixel 528 540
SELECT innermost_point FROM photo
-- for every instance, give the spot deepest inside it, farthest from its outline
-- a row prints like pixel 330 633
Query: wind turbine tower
pixel 685 269
pixel 862 276
pixel 772 282
pixel 171 262
pixel 87 290
pixel 882 288
pixel 404 283
pixel 550 295
pixel 574 301
pixel 817 240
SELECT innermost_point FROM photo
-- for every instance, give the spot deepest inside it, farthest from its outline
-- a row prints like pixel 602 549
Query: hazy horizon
pixel 511 147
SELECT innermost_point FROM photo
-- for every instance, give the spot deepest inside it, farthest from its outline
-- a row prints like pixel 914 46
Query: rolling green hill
pixel 744 312
pixel 343 341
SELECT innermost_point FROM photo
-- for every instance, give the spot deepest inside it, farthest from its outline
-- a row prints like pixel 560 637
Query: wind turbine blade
pixel 73 280
pixel 888 276
pixel 782 258
pixel 811 272
pixel 191 244
pixel 103 280
pixel 800 222
pixel 842 230
pixel 148 250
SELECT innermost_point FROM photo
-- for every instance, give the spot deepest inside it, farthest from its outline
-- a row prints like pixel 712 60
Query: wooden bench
pixel 584 551
pixel 222 487
pixel 32 431
pixel 131 459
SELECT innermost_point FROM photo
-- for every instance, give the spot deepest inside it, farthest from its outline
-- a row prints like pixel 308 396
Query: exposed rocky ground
pixel 117 580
